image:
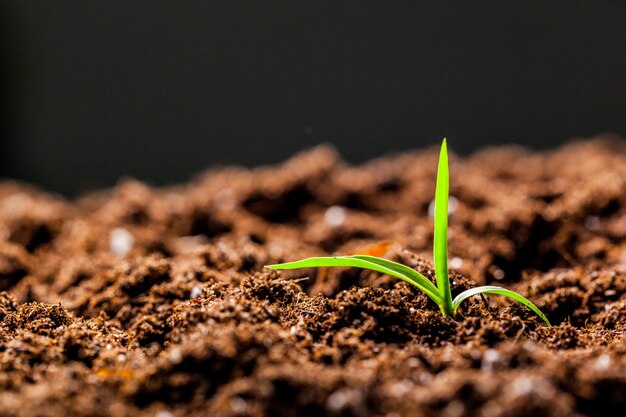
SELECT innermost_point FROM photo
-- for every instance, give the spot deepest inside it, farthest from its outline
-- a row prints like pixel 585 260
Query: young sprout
pixel 439 293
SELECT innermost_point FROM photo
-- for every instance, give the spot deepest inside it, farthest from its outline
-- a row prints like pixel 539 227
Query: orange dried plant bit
pixel 114 373
pixel 379 249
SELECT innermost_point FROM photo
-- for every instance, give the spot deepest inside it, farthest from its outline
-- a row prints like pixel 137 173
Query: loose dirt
pixel 142 301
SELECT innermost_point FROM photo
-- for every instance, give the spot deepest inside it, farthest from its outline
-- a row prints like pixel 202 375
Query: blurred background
pixel 159 90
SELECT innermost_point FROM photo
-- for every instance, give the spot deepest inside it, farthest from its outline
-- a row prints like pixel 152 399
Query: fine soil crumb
pixel 141 301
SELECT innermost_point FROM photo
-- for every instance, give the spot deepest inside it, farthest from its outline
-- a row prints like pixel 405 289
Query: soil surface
pixel 141 301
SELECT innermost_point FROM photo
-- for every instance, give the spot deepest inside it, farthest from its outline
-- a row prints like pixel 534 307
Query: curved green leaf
pixel 350 261
pixel 490 289
pixel 403 269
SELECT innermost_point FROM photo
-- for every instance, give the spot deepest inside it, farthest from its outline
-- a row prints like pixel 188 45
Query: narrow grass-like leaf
pixel 402 269
pixel 490 289
pixel 440 246
pixel 352 261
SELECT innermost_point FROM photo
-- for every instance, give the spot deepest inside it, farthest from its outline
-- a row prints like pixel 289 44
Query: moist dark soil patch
pixel 138 301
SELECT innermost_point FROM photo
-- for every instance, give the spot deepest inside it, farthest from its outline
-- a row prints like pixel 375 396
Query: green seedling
pixel 439 293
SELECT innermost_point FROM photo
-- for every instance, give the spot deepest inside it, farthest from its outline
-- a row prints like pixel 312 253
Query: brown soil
pixel 183 319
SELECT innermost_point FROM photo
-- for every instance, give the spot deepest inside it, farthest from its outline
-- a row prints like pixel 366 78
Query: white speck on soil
pixel 522 386
pixel 342 399
pixel 163 413
pixel 335 216
pixel 196 292
pixel 238 405
pixel 175 356
pixel 456 263
pixel 603 362
pixel 120 241
pixel 490 358
pixel 401 388
pixel 498 274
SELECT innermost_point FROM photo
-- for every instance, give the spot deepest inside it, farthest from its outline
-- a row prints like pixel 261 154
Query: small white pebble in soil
pixel 453 204
pixel 592 223
pixel 121 357
pixel 292 330
pixel 196 292
pixel 498 274
pixel 490 358
pixel 121 241
pixel 456 263
pixel 603 362
pixel 163 413
pixel 342 399
pixel 238 405
pixel 335 216
pixel 175 356
pixel 522 386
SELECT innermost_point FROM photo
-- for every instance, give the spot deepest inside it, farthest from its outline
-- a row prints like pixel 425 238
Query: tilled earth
pixel 141 301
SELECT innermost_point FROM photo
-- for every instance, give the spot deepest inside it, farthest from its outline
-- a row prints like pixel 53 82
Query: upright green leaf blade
pixel 349 261
pixel 440 245
pixel 490 289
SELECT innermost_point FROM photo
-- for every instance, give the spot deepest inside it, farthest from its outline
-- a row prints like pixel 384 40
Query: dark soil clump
pixel 138 301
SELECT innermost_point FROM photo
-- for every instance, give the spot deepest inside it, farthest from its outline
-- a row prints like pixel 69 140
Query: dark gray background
pixel 159 90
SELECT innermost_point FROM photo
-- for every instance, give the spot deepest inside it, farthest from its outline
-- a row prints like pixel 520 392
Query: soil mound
pixel 142 301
